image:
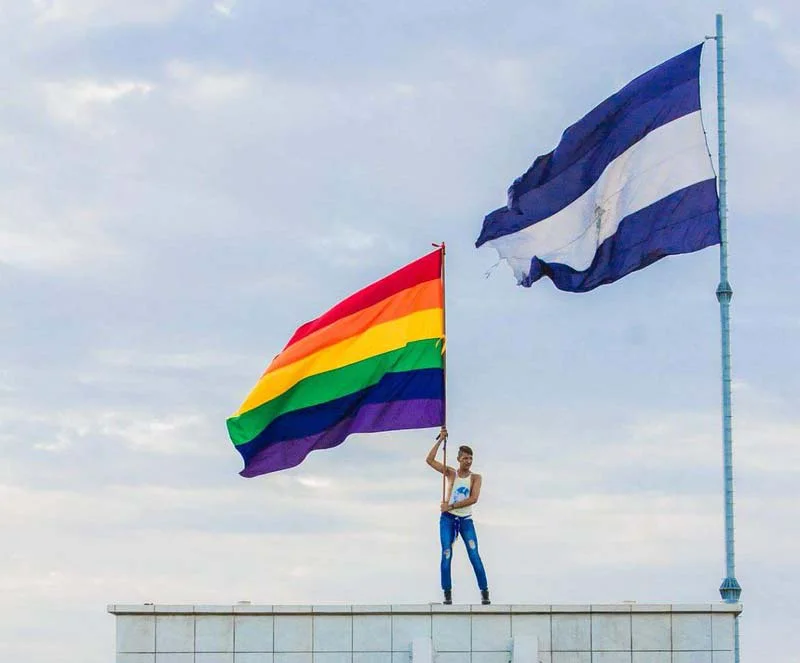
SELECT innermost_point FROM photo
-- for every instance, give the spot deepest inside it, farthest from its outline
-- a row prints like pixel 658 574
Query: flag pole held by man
pixel 628 184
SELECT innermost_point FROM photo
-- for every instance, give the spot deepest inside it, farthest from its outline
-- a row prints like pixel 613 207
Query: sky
pixel 184 182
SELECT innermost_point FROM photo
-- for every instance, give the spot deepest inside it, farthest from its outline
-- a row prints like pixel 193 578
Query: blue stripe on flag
pixel 628 184
pixel 657 97
pixel 591 130
pixel 426 383
pixel 683 222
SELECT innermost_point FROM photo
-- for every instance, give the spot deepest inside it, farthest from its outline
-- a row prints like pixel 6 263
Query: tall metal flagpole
pixel 444 371
pixel 730 589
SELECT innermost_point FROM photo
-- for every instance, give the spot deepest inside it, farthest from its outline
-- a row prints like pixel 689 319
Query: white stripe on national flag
pixel 666 160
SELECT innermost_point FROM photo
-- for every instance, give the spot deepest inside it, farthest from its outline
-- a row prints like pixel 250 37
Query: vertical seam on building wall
pixel 194 636
pixel 711 630
pixel 671 639
pixel 471 618
pixel 630 631
pixel 430 635
pixel 511 648
pixel 631 623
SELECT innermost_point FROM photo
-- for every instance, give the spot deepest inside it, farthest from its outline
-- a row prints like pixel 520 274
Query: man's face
pixel 464 461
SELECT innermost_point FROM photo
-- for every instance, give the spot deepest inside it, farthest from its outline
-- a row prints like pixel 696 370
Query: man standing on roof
pixel 463 490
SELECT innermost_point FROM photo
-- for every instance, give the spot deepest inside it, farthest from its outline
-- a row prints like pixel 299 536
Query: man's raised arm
pixel 431 458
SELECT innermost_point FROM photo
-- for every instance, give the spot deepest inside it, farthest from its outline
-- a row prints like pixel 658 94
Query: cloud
pixel 84 104
pixel 106 12
pixel 33 236
pixel 790 50
pixel 315 482
pixel 127 358
pixel 195 86
pixel 348 246
pixel 767 17
pixel 225 8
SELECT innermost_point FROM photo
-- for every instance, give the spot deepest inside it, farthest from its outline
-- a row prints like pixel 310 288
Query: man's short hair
pixel 464 449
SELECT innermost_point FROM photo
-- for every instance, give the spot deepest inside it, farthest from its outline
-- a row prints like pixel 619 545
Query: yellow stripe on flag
pixel 374 341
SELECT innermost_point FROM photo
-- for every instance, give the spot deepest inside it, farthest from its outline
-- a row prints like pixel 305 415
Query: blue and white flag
pixel 628 184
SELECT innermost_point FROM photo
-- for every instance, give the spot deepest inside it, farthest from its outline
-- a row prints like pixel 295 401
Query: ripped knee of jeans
pixel 446 553
pixel 472 545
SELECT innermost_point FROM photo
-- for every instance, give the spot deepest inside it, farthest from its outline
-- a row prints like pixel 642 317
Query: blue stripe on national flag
pixel 628 184
pixel 683 222
pixel 657 97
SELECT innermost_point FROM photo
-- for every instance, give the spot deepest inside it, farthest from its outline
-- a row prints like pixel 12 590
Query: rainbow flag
pixel 374 362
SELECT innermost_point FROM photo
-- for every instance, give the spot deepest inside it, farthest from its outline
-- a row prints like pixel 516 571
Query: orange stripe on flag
pixel 421 297
pixel 427 268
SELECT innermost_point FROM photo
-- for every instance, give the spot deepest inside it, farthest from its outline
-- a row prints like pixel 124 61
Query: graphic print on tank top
pixel 460 491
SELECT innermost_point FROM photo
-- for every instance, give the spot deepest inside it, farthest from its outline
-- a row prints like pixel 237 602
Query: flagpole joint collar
pixel 730 590
pixel 724 292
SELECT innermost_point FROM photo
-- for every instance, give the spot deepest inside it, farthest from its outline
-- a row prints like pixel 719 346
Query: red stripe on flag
pixel 427 268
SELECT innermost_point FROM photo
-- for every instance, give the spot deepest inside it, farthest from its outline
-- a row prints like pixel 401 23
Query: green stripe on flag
pixel 328 386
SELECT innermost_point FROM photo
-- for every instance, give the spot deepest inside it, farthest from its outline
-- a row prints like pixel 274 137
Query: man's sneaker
pixel 485 597
pixel 448 597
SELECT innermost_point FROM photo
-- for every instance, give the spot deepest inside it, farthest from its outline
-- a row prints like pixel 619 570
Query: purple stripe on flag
pixel 371 418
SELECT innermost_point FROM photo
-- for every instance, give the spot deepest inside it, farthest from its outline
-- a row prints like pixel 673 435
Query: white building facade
pixel 431 633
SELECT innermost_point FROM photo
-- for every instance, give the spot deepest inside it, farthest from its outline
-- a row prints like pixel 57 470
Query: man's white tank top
pixel 460 490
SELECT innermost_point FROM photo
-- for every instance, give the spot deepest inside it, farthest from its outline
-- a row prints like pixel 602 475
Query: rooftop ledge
pixel 245 607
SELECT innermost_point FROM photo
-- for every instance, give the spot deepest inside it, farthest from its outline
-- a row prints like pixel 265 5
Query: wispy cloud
pixel 34 235
pixel 106 12
pixel 195 86
pixel 768 17
pixel 225 7
pixel 83 103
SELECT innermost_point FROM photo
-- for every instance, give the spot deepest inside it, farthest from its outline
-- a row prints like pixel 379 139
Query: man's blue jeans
pixel 450 527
